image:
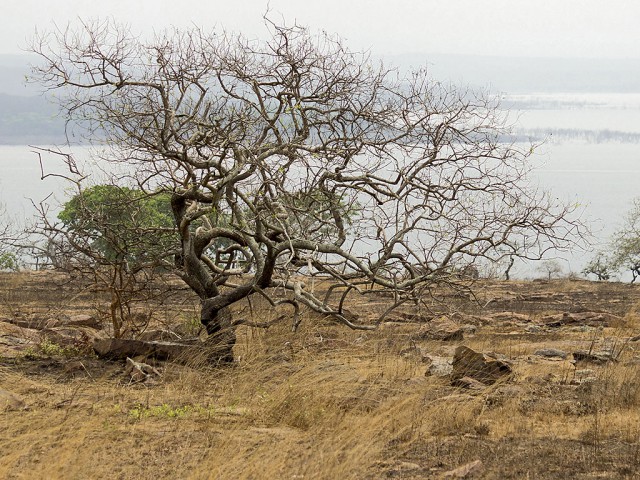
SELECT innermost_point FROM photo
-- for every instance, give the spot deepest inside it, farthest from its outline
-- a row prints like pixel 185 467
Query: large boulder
pixel 481 367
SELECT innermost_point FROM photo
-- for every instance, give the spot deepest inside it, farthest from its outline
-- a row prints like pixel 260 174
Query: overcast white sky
pixel 545 28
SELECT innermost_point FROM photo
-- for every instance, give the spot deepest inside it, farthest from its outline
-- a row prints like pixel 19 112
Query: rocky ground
pixel 523 380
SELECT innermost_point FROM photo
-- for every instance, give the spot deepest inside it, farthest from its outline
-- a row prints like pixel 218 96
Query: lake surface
pixel 600 177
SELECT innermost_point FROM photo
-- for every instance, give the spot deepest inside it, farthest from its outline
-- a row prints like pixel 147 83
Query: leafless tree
pixel 600 266
pixel 625 244
pixel 551 268
pixel 9 259
pixel 295 157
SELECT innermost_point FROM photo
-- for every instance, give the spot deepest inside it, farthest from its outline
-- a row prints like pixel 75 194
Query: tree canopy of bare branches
pixel 295 156
pixel 8 238
pixel 624 253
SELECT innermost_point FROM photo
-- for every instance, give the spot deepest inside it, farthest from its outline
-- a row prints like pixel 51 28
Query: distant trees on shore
pixel 623 254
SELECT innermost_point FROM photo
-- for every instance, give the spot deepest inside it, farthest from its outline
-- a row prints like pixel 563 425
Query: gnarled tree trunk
pixel 222 335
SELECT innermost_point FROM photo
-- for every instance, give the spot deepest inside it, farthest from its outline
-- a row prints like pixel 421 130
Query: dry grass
pixel 328 403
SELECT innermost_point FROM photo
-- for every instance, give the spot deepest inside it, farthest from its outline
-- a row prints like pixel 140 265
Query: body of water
pixel 600 177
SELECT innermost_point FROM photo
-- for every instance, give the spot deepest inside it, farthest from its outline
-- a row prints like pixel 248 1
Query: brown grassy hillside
pixel 328 402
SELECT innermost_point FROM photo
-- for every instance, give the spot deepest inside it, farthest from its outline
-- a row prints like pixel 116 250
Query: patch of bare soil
pixel 524 380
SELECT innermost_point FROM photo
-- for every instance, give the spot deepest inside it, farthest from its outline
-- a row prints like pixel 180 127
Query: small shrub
pixel 167 411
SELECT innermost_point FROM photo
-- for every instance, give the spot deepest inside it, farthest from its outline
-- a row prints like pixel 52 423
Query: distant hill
pixel 13 72
pixel 29 120
pixel 529 75
pixel 26 116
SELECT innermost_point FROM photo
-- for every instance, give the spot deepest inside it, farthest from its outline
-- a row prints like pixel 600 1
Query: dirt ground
pixel 327 402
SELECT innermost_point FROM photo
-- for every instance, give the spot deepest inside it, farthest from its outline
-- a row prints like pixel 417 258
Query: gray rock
pixel 593 357
pixel 441 328
pixel 583 381
pixel 551 352
pixel 438 366
pixel 140 372
pixel 469 329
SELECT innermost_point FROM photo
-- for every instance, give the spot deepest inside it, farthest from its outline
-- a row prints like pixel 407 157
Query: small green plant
pixel 9 262
pixel 192 326
pixel 167 411
pixel 47 348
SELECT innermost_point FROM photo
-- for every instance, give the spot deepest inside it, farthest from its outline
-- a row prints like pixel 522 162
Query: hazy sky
pixel 556 28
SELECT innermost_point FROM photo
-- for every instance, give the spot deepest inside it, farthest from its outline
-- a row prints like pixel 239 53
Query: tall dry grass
pixel 329 403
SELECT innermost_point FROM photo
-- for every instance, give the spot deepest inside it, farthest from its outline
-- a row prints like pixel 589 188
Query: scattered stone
pixel 120 348
pixel 410 317
pixel 583 376
pixel 400 468
pixel 412 351
pixel 463 318
pixel 442 328
pixel 82 320
pixel 12 334
pixel 551 353
pixel 11 341
pixel 469 363
pixel 533 329
pixel 593 357
pixel 67 336
pixel 10 401
pixel 497 396
pixel 469 329
pixel 30 322
pixel 140 372
pixel 438 366
pixel 510 317
pixel 469 470
pixel 545 297
pixel 497 356
pixel 510 391
pixel 583 381
pixel 582 318
pixel 468 383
